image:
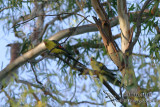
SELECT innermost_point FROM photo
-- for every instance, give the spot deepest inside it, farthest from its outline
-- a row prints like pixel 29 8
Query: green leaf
pixel 142 65
pixel 131 8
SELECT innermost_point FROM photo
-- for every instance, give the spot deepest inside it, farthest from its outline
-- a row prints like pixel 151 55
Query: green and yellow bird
pixel 110 76
pixel 54 47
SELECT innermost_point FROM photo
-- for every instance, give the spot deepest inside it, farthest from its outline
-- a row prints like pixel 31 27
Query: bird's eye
pixel 60 46
pixel 92 58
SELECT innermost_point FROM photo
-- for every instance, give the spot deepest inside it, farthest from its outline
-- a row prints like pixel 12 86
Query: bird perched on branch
pixel 109 75
pixel 54 47
pixel 14 53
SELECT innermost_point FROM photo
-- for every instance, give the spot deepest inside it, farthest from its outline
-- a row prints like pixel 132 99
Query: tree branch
pixel 124 24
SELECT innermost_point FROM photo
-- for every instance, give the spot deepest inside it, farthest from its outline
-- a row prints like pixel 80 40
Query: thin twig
pixel 35 74
pixel 50 94
pixel 111 98
pixel 10 99
pixel 76 103
pixel 74 91
pixel 73 67
pixel 34 95
pixel 75 29
pixel 138 23
pixel 111 90
pixel 47 15
pixel 38 86
pixel 5 8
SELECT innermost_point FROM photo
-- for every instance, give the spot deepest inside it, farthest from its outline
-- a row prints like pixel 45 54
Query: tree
pixel 52 80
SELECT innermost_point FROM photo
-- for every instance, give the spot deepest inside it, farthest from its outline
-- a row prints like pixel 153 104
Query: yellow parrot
pixel 110 76
pixel 54 47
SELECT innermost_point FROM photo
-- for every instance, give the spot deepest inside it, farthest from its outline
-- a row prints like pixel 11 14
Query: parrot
pixel 110 76
pixel 54 47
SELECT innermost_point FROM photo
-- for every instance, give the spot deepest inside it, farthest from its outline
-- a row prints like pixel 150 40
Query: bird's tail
pixel 80 64
pixel 112 79
pixel 117 82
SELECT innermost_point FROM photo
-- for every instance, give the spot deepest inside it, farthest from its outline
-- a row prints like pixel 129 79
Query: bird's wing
pixel 56 42
pixel 102 66
pixel 58 46
pixel 65 51
pixel 105 69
